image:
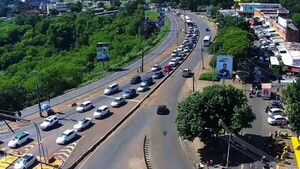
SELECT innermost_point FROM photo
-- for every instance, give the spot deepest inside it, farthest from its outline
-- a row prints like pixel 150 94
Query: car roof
pixel 118 98
pixel 51 117
pixel 276 109
pixel 113 84
pixel 86 102
pixel 68 131
pixel 21 134
pixel 278 116
pixel 103 107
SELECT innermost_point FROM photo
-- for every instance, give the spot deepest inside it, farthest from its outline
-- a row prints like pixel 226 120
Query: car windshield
pixel 143 85
pixel 81 105
pixel 63 135
pixel 156 66
pixel 21 160
pixel 99 110
pixel 47 120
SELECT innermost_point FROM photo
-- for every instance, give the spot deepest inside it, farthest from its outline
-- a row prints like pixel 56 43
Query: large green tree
pixel 291 97
pixel 202 111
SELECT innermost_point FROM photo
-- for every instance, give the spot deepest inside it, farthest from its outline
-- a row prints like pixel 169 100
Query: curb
pixel 106 135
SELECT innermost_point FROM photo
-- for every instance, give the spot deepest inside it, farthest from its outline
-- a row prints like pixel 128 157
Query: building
pixel 290 55
pixel 228 12
pixel 248 9
pixel 60 7
pixel 269 14
pixel 286 29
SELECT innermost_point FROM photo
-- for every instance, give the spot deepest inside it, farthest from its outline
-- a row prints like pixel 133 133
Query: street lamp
pixel 37 92
pixel 40 144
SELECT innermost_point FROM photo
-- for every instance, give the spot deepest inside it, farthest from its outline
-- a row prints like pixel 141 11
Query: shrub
pixel 209 76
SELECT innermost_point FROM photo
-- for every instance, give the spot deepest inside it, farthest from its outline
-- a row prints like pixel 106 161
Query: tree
pixel 202 111
pixel 291 98
pixel 76 7
pixel 53 12
pixel 296 19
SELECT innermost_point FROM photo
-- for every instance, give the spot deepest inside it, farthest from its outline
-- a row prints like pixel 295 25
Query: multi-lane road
pixel 124 149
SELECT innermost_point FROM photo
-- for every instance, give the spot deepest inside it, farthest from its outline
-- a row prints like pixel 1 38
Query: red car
pixel 167 68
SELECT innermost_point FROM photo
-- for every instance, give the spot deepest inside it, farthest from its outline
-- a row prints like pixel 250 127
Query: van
pixel 111 89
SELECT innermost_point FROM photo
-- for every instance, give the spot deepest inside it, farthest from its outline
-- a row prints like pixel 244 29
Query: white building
pixel 60 7
pixel 290 54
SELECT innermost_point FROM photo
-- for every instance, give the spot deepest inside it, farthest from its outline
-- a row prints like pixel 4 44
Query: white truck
pixel 266 90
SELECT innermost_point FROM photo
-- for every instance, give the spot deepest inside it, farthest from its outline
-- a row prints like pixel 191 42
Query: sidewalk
pixel 99 91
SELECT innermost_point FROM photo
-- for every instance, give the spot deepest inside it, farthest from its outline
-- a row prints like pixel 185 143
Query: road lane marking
pixel 296 144
pixel 110 97
pixel 133 100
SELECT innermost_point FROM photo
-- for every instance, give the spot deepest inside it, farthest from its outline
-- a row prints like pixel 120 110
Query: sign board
pixel 224 66
pixel 102 52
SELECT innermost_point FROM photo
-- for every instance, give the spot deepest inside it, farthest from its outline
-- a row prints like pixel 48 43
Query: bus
pixel 206 41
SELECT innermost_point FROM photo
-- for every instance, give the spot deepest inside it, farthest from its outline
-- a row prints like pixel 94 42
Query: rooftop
pixel 266 4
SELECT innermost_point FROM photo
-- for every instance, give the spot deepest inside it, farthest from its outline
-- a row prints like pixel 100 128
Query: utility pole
pixel 193 82
pixel 37 93
pixel 202 58
pixel 228 151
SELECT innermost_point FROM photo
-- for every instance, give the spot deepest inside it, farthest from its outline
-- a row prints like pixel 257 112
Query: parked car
pixel 135 80
pixel 158 75
pixel 25 161
pixel 101 112
pixel 186 50
pixel 118 102
pixel 277 119
pixel 155 67
pixel 129 93
pixel 186 73
pixel 143 87
pixel 19 139
pixel 49 122
pixel 148 80
pixel 275 111
pixel 173 62
pixel 66 136
pixel 111 89
pixel 84 106
pixel 82 123
pixel 161 109
pixel 167 68
pixel 179 57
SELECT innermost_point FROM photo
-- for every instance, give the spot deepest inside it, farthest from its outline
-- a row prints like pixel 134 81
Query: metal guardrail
pixel 146 152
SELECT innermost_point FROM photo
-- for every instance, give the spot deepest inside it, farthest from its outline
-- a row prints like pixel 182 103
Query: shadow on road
pixel 117 69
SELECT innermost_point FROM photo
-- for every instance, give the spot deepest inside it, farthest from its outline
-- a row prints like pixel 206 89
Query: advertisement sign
pixel 224 66
pixel 102 52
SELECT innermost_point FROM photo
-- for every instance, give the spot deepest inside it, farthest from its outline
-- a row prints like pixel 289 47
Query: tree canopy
pixel 291 99
pixel 62 50
pixel 202 111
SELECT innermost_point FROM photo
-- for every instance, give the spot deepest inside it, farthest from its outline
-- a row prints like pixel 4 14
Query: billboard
pixel 102 51
pixel 224 66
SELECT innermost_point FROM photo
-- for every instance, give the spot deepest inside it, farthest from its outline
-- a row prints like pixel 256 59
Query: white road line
pixel 111 97
pixel 133 100
pixel 62 158
pixel 68 150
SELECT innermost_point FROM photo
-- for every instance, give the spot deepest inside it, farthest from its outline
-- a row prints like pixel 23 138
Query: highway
pixel 69 118
pixel 114 76
pixel 124 149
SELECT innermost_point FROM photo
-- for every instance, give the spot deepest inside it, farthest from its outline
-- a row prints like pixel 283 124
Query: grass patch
pixel 209 76
pixel 152 14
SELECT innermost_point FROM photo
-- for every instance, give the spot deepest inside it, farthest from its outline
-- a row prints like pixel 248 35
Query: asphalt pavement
pixel 104 81
pixel 124 149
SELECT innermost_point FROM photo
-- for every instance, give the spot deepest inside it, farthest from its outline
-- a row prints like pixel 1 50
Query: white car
pixel 186 50
pixel 277 119
pixel 101 111
pixel 26 161
pixel 84 106
pixel 275 111
pixel 143 87
pixel 66 136
pixel 117 102
pixel 19 139
pixel 49 122
pixel 155 67
pixel 173 62
pixel 82 124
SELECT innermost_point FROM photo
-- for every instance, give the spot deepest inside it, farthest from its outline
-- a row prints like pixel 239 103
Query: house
pixel 60 7
pixel 228 12
pixel 247 9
